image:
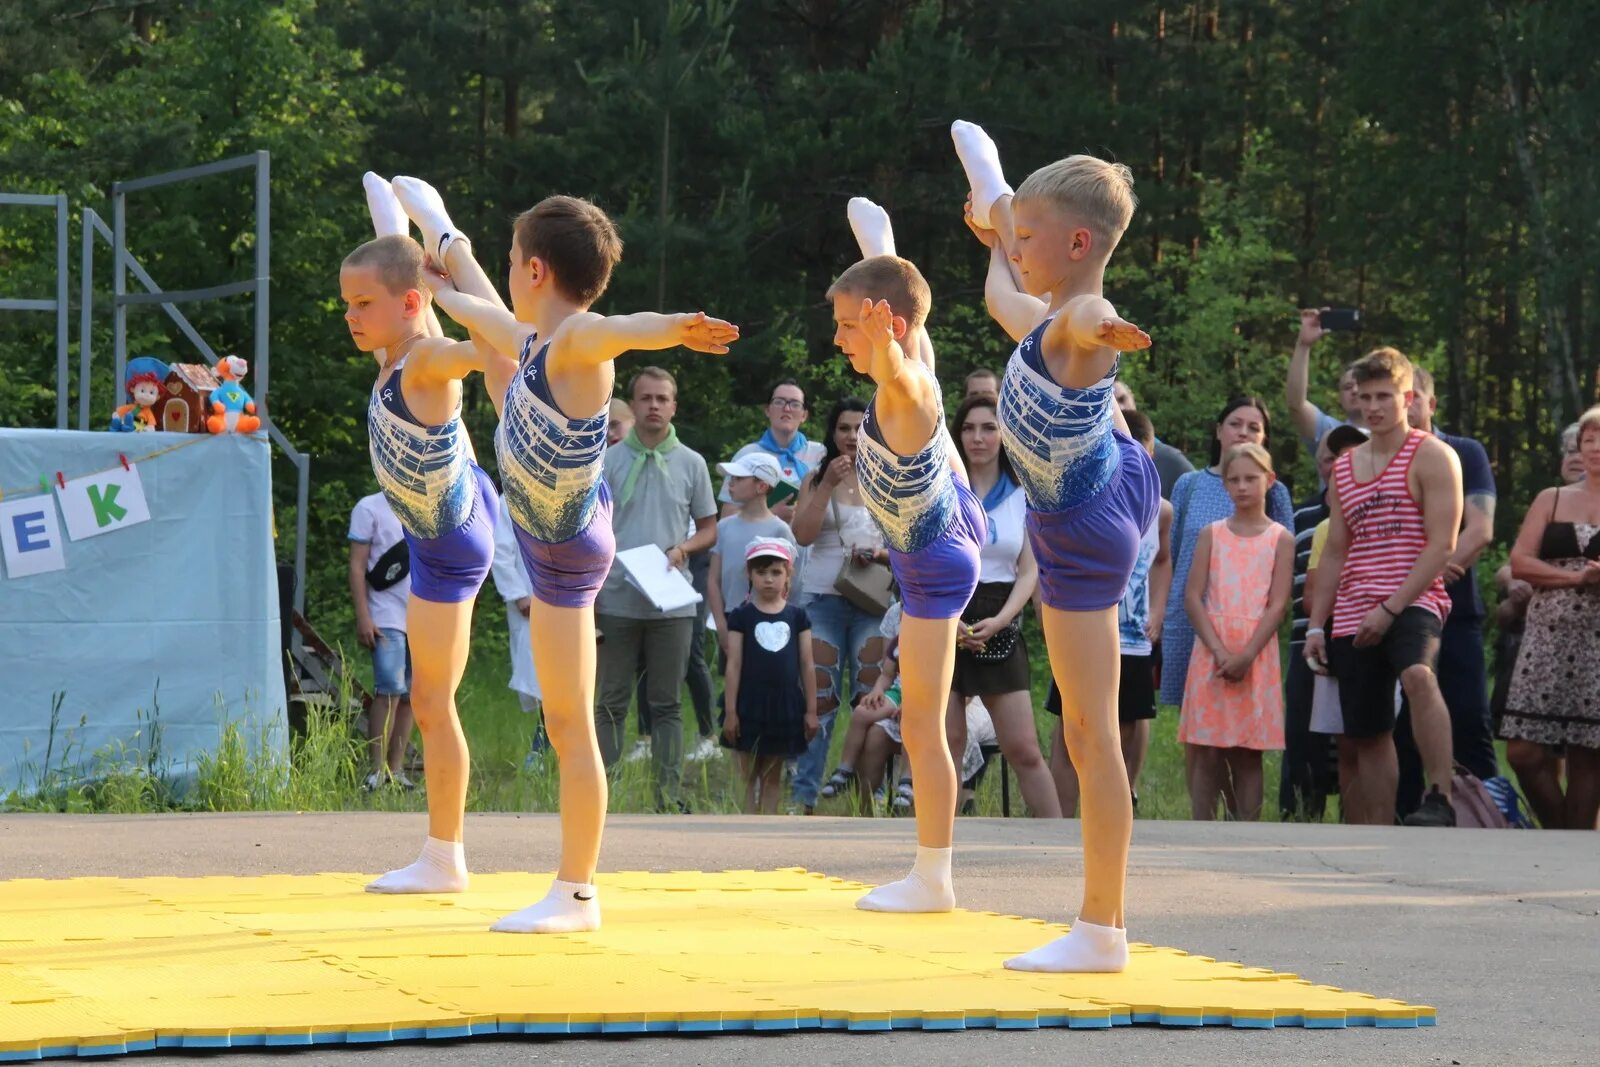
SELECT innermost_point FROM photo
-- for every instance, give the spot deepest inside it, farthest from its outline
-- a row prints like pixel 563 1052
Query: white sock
pixel 569 908
pixel 981 160
pixel 442 868
pixel 388 217
pixel 1087 949
pixel 426 208
pixel 927 888
pixel 870 224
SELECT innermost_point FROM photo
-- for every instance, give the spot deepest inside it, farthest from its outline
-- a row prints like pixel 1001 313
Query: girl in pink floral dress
pixel 1236 595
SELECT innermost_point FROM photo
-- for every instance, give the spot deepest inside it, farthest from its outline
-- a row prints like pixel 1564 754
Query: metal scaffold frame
pixel 125 263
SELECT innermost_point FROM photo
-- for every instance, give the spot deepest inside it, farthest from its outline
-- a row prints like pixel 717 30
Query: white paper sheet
pixel 663 585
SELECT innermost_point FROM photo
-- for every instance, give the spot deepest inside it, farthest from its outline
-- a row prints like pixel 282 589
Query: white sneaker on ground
pixel 641 751
pixel 705 749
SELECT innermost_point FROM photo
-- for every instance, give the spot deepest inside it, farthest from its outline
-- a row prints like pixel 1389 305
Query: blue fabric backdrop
pixel 171 622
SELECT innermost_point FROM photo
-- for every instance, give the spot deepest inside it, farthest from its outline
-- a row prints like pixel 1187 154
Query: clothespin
pixel 124 458
pixel 44 483
pixel 62 482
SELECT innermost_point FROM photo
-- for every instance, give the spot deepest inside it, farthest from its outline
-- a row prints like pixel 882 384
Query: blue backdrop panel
pixel 175 619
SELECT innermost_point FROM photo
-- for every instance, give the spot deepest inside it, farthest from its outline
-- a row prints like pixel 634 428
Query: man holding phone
pixel 1310 421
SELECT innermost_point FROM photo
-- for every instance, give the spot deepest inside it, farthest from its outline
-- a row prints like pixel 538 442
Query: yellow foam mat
pixel 96 966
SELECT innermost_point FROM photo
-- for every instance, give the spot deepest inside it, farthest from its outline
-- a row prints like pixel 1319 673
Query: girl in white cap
pixel 770 696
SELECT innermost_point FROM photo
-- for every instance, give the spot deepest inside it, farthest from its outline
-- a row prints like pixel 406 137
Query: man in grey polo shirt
pixel 657 487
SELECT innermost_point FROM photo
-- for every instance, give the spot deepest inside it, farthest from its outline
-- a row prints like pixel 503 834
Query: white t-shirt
pixel 1007 528
pixel 373 523
pixel 1133 612
pixel 828 551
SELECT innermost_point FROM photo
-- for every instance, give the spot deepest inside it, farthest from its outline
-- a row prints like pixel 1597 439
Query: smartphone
pixel 1341 319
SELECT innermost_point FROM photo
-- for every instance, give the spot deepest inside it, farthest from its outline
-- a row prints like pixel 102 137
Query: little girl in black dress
pixel 770 692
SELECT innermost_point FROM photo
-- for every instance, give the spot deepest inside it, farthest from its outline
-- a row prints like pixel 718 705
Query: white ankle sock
pixel 870 224
pixel 927 888
pixel 388 217
pixel 981 160
pixel 442 868
pixel 569 908
pixel 1087 949
pixel 426 208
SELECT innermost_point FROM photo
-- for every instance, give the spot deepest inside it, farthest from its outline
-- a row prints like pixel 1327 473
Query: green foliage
pixel 329 762
pixel 1284 155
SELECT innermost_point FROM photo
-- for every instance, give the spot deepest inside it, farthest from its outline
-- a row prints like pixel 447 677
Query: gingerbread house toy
pixel 186 398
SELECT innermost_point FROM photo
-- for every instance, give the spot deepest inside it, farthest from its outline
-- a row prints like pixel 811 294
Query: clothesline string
pixel 42 488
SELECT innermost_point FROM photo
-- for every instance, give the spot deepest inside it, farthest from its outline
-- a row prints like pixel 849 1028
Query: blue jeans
pixel 391 663
pixel 835 624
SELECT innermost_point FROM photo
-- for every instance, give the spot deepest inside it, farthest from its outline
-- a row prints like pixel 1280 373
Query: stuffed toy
pixel 232 410
pixel 137 417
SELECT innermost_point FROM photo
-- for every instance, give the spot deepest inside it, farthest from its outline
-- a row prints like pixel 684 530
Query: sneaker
pixel 403 782
pixel 839 783
pixel 1434 810
pixel 903 799
pixel 372 783
pixel 879 798
pixel 641 751
pixel 706 748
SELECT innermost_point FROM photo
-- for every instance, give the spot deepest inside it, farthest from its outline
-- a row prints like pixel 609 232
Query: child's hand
pixel 813 726
pixel 877 324
pixel 434 278
pixel 1122 335
pixel 988 237
pixel 730 727
pixel 702 333
pixel 1234 667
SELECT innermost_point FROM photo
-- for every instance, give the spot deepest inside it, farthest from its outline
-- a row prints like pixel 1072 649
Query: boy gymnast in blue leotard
pixel 934 527
pixel 553 392
pixel 1092 491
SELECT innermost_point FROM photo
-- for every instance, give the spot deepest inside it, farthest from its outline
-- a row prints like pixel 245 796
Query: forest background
pixel 1432 163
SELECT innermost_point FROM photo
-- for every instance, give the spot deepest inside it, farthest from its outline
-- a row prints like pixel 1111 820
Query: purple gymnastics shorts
pixel 1086 552
pixel 569 574
pixel 937 581
pixel 451 568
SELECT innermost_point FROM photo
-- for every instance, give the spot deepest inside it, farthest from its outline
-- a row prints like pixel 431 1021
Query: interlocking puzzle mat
pixel 98 966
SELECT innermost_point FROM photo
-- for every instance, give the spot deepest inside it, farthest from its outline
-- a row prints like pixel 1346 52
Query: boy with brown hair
pixel 555 357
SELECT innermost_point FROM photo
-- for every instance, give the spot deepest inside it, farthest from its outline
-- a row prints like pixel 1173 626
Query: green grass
pixel 330 762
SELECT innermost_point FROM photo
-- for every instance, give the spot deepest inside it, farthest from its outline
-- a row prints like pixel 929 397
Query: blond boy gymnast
pixel 427 469
pixel 934 527
pixel 1091 489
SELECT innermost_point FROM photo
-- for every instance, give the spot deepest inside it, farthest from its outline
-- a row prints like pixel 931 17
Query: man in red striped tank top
pixel 1395 505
